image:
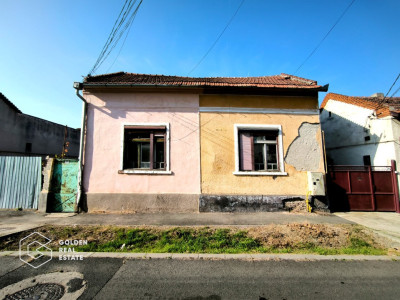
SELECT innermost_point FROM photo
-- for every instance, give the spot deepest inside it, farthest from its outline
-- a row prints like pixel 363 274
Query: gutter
pixel 79 86
pixel 324 88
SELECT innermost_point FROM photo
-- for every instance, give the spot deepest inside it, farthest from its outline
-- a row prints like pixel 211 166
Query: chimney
pixel 378 95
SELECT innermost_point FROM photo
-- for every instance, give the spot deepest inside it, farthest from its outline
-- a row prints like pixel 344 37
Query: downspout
pixel 78 86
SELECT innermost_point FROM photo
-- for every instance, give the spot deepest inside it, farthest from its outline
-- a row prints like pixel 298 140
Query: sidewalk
pixel 386 224
pixel 206 256
pixel 15 221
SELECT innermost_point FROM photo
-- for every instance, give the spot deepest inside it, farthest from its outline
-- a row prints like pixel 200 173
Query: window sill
pixel 145 172
pixel 254 173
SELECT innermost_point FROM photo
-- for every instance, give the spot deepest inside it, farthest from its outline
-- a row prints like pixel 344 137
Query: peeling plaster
pixel 304 153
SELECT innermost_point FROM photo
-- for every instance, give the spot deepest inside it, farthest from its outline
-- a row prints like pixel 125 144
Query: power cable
pixel 112 44
pixel 216 41
pixel 380 104
pixel 123 22
pixel 109 39
pixel 395 92
pixel 122 46
pixel 326 35
pixel 127 26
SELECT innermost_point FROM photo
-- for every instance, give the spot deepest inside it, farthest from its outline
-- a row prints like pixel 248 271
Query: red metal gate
pixel 363 188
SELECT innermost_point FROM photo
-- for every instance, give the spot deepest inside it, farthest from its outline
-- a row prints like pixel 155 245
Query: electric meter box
pixel 316 183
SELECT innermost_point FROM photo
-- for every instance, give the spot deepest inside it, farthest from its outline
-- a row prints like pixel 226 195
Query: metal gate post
pixel 395 186
pixel 372 190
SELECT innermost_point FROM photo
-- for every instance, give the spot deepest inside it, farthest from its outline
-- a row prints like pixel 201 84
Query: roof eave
pixel 87 86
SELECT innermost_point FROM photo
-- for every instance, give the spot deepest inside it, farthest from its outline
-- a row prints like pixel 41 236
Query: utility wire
pixel 123 43
pixel 108 39
pixel 127 26
pixel 395 92
pixel 216 41
pixel 380 104
pixel 112 44
pixel 326 35
pixel 123 22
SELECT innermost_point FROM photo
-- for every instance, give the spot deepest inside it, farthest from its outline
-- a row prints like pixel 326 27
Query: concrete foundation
pixel 141 203
pixel 245 203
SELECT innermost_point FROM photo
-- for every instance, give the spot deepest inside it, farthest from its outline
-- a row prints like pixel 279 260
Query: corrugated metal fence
pixel 20 181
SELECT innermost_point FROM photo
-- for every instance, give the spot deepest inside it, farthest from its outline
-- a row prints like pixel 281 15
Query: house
pixel 362 145
pixel 361 130
pixel 25 135
pixel 159 143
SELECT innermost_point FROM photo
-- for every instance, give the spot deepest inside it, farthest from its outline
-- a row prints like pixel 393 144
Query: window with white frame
pixel 145 148
pixel 259 149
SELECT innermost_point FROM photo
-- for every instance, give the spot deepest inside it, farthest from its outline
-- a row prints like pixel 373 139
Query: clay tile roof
pixel 383 106
pixel 9 103
pixel 276 81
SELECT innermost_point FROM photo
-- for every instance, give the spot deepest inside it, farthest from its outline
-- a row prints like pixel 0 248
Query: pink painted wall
pixel 107 112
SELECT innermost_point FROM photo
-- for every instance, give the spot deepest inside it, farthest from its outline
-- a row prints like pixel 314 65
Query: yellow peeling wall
pixel 218 149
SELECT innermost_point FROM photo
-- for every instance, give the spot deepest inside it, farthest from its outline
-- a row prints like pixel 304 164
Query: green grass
pixel 177 240
pixel 204 240
pixel 196 240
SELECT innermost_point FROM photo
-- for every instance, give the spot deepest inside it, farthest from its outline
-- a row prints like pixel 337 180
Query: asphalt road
pixel 115 278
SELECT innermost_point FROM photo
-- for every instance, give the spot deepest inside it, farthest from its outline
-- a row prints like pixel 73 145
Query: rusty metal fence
pixel 20 181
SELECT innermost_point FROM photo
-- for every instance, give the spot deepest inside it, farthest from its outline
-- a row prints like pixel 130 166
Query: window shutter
pixel 246 152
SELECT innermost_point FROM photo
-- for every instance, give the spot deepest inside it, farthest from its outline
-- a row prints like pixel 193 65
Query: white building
pixel 361 130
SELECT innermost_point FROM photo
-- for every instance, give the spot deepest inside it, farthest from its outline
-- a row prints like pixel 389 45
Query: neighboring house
pixel 361 130
pixel 25 135
pixel 178 144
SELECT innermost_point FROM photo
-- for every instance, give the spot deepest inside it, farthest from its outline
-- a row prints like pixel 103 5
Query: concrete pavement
pixel 386 224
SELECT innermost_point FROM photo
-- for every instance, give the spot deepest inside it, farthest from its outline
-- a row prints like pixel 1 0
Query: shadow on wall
pixel 338 199
pixel 342 136
pixel 349 144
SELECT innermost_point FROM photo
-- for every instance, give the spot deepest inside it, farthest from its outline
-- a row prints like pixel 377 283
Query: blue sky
pixel 47 45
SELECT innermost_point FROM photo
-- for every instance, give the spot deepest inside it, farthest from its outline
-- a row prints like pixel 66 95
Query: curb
pixel 196 256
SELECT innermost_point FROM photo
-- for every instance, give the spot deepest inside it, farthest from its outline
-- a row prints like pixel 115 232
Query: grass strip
pixel 202 240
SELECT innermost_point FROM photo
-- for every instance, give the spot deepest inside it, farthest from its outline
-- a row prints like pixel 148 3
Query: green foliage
pixel 178 240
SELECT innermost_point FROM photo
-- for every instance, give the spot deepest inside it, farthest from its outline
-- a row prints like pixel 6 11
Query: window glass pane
pixel 265 137
pixel 145 156
pixel 159 154
pixel 272 161
pixel 136 149
pixel 259 157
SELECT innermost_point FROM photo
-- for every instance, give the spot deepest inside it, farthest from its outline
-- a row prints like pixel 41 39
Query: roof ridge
pixel 12 105
pixel 106 74
pixel 360 97
pixel 301 79
pixel 178 76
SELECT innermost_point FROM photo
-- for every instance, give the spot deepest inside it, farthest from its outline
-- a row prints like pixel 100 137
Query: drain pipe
pixel 78 86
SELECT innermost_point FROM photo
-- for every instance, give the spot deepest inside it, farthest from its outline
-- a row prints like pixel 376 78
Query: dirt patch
pixel 291 235
pixel 296 206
